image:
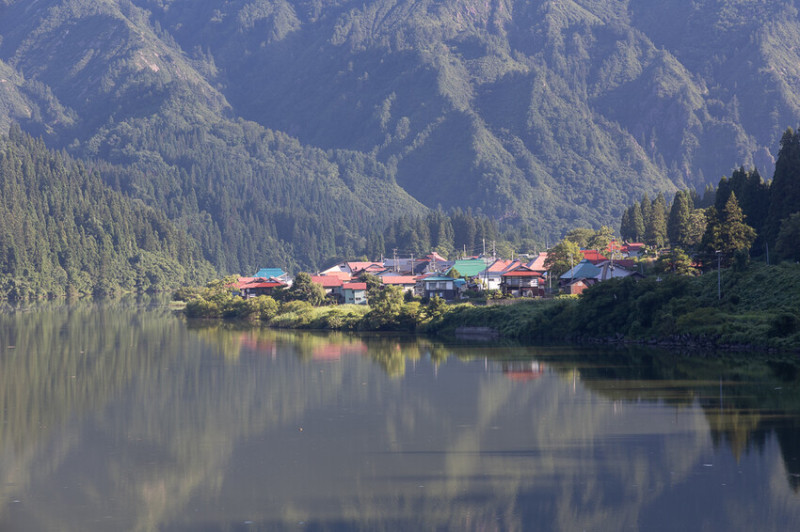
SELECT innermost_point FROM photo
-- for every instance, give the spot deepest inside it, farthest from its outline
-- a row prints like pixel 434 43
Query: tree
pixel 304 289
pixel 637 222
pixel 676 261
pixel 656 224
pixel 626 229
pixel 601 238
pixel 727 232
pixel 679 219
pixel 784 193
pixel 562 257
pixel 788 243
pixel 580 236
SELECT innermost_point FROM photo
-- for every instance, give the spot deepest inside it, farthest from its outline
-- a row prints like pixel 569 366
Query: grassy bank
pixel 758 307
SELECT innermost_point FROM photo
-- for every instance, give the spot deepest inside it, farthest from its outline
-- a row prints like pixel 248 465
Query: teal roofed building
pixel 271 273
pixel 469 267
pixel 583 270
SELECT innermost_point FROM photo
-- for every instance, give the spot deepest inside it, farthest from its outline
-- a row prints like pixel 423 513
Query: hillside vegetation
pixel 283 133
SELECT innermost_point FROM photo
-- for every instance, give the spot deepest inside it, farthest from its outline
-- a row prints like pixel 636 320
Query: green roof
pixel 583 270
pixel 469 267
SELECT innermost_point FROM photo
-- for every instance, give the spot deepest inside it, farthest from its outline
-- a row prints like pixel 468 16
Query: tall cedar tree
pixel 638 222
pixel 679 219
pixel 784 194
pixel 656 226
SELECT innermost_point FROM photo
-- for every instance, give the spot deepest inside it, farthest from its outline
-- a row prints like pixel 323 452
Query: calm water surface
pixel 124 417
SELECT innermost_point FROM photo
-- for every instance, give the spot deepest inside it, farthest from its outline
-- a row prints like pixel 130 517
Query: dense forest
pixel 64 232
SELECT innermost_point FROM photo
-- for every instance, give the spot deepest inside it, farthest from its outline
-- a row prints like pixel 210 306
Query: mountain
pixel 278 132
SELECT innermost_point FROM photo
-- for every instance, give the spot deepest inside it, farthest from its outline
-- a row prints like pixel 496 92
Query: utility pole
pixel 719 277
pixel 412 264
pixel 484 247
pixel 394 253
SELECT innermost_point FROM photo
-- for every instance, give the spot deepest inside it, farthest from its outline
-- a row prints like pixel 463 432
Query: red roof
pixel 399 279
pixel 327 281
pixel 538 262
pixel 522 271
pixel 354 286
pixel 435 257
pixel 501 265
pixel 341 275
pixel 593 256
pixel 257 282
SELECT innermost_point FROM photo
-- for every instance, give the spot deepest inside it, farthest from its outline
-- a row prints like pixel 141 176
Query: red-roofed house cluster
pixel 433 275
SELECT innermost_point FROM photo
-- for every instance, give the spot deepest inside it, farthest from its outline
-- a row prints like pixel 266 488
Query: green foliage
pixel 788 241
pixel 561 257
pixel 65 232
pixel 305 290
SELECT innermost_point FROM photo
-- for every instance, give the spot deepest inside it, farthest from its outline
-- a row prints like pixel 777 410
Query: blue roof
pixel 270 272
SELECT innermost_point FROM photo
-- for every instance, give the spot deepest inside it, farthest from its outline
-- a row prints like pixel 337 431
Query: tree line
pixel 743 216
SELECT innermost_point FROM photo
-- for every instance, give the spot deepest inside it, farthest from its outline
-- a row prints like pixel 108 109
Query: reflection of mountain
pixel 169 428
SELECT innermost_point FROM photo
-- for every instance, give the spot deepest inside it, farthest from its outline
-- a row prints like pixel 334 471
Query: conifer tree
pixel 727 232
pixel 638 222
pixel 679 218
pixel 784 194
pixel 656 226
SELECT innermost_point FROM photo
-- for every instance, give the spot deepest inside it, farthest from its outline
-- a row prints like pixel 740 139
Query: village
pixel 504 280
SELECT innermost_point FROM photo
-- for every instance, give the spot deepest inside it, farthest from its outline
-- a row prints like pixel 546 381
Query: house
pixel 407 283
pixel 577 286
pixel 632 249
pixel 357 268
pixel 583 270
pixel 332 284
pixel 468 267
pixel 354 293
pixel 353 268
pixel 273 273
pixel 522 281
pixel 437 285
pixel 593 256
pixel 491 276
pixel 257 286
pixel 537 264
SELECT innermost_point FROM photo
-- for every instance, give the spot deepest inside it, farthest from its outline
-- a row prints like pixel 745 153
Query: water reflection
pixel 124 417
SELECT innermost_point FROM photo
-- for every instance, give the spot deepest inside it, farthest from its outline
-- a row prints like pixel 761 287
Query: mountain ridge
pixel 312 123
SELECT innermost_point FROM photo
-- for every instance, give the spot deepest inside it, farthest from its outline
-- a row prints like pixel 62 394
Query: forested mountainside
pixel 279 132
pixel 64 232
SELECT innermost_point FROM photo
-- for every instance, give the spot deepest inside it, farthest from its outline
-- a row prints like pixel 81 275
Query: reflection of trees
pixel 166 411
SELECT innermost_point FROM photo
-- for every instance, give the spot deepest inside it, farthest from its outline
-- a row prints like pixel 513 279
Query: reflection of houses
pixel 523 370
pixel 354 293
pixel 439 286
pixel 257 286
pixel 522 281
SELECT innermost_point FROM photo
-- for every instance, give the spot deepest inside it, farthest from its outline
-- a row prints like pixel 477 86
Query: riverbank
pixel 756 308
pixel 752 309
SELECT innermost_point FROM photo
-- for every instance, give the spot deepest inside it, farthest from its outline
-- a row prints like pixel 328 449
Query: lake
pixel 125 417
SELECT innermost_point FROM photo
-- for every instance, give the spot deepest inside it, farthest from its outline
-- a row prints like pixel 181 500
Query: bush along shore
pixel 757 307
